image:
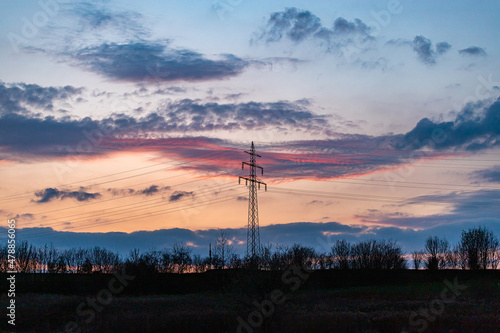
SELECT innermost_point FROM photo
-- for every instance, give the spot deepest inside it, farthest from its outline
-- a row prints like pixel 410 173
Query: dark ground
pixel 324 301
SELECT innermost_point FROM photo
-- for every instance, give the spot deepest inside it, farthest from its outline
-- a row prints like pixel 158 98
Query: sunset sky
pixel 123 123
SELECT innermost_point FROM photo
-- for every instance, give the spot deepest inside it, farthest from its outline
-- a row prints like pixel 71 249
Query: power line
pixel 142 205
pixel 208 153
pixel 135 217
pixel 375 198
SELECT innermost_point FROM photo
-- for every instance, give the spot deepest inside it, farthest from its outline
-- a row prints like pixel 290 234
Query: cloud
pixel 178 195
pixel 490 175
pixel 49 194
pixel 121 191
pixel 241 198
pixel 292 23
pixel 117 45
pixel 473 51
pixel 321 236
pixel 152 190
pixel 26 216
pixel 96 18
pixel 143 61
pixel 465 207
pixel 54 137
pixel 300 25
pixel 426 53
pixel 16 97
pixel 190 115
pixel 343 27
pixel 475 128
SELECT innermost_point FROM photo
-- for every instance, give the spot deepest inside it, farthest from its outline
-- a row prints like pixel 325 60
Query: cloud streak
pixel 473 51
pixel 489 175
pixel 178 195
pixel 49 194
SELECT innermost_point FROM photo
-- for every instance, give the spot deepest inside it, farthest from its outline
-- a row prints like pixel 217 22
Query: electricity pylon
pixel 253 236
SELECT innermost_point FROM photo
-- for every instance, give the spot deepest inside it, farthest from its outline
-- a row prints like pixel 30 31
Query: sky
pixel 123 124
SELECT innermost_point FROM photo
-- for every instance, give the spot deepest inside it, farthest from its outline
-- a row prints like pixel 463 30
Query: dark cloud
pixel 489 175
pixel 442 47
pixel 49 194
pixel 47 136
pixel 117 44
pixel 121 191
pixel 178 195
pixel 241 198
pixel 321 236
pixel 476 127
pixel 64 136
pixel 473 51
pixel 295 24
pixel 15 98
pixel 343 27
pixel 426 52
pixel 152 190
pixel 300 25
pixel 152 61
pixel 189 115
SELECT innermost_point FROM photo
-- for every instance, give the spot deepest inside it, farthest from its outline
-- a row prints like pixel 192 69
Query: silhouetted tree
pixel 303 256
pixel 181 257
pixel 4 263
pixel 372 254
pixel 418 258
pixel 341 252
pixel 25 256
pixel 280 259
pixel 436 249
pixel 223 250
pixel 480 247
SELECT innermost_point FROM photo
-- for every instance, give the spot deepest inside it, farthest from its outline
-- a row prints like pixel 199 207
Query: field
pixel 231 301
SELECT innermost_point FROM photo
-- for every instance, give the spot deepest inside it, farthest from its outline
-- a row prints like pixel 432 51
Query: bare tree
pixel 25 255
pixel 4 263
pixel 200 264
pixel 480 247
pixel 280 258
pixel 81 260
pixel 418 258
pixel 181 257
pixel 436 249
pixel 340 253
pixel 167 264
pixel 223 250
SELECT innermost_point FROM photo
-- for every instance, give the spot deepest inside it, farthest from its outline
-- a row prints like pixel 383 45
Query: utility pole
pixel 253 236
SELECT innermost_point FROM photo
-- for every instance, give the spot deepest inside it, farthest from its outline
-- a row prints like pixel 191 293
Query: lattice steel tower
pixel 253 236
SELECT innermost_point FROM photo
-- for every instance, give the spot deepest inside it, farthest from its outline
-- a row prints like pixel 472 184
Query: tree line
pixel 478 248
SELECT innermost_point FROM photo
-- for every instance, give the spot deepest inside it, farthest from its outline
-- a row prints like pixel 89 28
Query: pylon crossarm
pixel 252 153
pixel 252 165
